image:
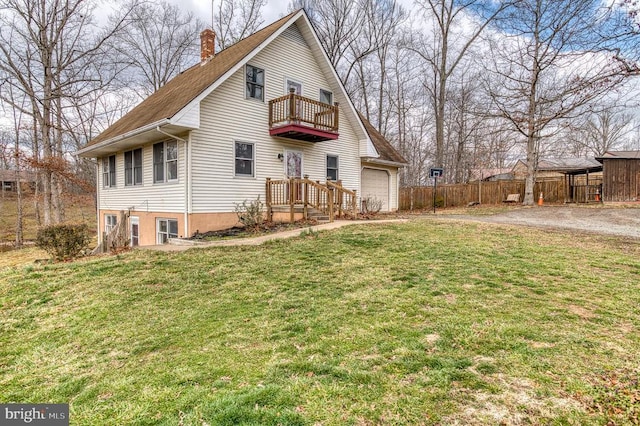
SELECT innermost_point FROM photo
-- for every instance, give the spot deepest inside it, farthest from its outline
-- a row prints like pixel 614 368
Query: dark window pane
pixel 243 167
pixel 244 150
pixel 173 228
pixel 332 161
pixel 158 162
pixel 138 176
pixel 172 170
pixel 172 151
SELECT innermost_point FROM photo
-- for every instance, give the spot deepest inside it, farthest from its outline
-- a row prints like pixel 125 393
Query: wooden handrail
pixel 297 109
pixel 331 198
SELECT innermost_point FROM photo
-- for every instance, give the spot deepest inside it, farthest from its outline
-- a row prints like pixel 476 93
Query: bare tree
pixel 553 57
pixel 457 25
pixel 160 41
pixel 234 20
pixel 51 52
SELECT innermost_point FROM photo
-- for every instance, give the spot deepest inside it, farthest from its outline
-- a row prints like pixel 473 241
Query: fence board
pixel 457 195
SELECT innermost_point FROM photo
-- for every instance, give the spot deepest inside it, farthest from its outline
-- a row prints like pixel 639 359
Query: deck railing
pixel 330 199
pixel 296 109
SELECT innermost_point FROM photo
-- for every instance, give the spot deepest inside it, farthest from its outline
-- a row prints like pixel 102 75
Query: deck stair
pixel 315 200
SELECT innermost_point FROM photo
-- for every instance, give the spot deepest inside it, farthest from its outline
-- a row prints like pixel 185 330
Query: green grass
pixel 427 322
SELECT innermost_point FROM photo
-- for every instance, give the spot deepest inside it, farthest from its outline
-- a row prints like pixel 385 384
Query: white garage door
pixel 375 183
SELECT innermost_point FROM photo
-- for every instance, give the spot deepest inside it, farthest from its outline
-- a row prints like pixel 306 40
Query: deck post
pixel 330 202
pixel 292 104
pixel 269 200
pixel 354 205
pixel 292 200
pixel 305 188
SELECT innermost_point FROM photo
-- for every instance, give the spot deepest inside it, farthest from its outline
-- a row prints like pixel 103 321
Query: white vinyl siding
pixel 214 188
pixel 166 197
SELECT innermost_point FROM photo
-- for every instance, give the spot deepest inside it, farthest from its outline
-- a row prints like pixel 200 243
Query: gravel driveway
pixel 602 220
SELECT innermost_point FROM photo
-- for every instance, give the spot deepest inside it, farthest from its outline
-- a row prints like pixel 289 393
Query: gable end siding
pixel 226 116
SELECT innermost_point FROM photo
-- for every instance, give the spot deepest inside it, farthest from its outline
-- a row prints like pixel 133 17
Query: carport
pixel 586 190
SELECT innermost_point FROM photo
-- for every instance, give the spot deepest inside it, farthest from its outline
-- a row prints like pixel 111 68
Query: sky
pixel 274 9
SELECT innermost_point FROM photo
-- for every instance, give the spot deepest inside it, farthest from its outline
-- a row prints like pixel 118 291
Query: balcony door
pixel 297 90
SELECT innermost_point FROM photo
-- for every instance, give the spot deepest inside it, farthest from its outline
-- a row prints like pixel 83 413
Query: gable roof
pixel 563 165
pixel 168 104
pixel 387 152
pixel 620 155
pixel 171 98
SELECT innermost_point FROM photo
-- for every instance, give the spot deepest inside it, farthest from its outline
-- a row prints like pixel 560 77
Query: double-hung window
pixel 165 161
pixel 109 171
pixel 332 167
pixel 110 222
pixel 255 82
pixel 245 159
pixel 133 167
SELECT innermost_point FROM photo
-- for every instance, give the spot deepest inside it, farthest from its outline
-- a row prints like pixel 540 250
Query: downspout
pixel 186 178
pixel 98 174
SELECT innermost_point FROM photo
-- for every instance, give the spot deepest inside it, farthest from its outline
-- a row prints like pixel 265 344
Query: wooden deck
pixel 329 199
pixel 296 117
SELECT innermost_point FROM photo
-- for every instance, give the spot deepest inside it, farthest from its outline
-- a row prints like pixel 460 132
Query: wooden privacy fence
pixel 555 191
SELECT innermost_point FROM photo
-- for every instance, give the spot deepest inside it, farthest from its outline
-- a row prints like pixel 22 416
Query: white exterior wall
pixel 149 197
pixel 227 116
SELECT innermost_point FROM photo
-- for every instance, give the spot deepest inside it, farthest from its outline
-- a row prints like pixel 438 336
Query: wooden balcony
pixel 296 117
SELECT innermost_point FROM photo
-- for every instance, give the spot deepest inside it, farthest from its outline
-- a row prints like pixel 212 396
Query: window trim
pixel 133 167
pixel 247 82
pixel 168 233
pixel 109 171
pixel 236 158
pixel 337 168
pixel 330 95
pixel 294 81
pixel 108 227
pixel 165 162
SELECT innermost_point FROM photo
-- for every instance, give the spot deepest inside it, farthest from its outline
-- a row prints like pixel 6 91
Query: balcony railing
pixel 294 116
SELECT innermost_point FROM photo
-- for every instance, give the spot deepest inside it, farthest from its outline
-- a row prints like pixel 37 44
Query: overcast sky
pixel 271 12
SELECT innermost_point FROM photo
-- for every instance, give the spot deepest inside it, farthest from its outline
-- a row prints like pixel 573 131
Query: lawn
pixel 427 322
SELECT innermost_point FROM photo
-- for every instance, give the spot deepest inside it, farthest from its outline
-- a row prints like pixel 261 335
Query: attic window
pixel 255 82
pixel 326 97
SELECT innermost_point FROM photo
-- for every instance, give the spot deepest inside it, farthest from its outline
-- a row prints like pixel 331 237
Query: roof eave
pixel 384 162
pixel 86 151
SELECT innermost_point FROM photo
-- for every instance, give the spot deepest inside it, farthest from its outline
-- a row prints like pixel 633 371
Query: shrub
pixel 63 241
pixel 439 201
pixel 371 205
pixel 250 213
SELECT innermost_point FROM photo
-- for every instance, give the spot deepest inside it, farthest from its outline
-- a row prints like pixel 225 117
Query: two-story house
pixel 236 127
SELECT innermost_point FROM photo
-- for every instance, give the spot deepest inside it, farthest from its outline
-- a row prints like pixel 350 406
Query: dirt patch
pixel 595 219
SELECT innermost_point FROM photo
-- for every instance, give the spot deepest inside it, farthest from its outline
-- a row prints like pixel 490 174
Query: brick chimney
pixel 207 45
